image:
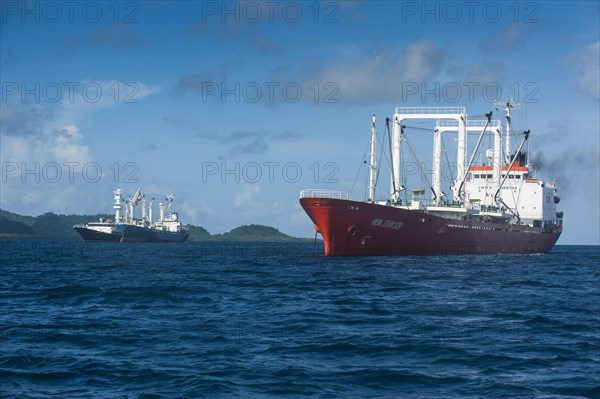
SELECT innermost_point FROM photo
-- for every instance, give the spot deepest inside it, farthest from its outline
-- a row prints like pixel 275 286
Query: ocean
pixel 243 320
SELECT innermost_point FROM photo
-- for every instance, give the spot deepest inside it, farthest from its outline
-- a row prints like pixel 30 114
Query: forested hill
pixel 46 225
pixel 52 225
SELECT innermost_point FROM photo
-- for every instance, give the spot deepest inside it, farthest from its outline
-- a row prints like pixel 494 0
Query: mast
pixel 461 157
pixel 508 106
pixel 396 159
pixel 131 211
pixel 144 209
pixel 150 210
pixel 127 210
pixel 117 206
pixel 497 159
pixel 437 165
pixel 392 176
pixel 372 165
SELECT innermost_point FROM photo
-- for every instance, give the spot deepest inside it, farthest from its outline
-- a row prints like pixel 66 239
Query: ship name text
pixel 386 224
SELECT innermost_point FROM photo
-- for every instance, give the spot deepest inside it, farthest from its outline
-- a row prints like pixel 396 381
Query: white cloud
pixel 381 77
pixel 198 215
pixel 246 197
pixel 65 147
pixel 58 146
pixel 46 151
pixel 69 132
pixel 92 95
pixel 190 211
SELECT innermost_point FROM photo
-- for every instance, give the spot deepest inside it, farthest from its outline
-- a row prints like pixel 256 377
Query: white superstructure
pixel 500 188
pixel 168 219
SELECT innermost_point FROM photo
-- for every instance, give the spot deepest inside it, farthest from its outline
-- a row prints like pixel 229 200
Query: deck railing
pixel 470 123
pixel 430 110
pixel 316 193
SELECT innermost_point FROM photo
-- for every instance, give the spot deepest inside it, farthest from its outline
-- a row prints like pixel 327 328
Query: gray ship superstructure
pixel 127 228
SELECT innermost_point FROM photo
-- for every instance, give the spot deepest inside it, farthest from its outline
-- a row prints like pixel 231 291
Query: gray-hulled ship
pixel 127 228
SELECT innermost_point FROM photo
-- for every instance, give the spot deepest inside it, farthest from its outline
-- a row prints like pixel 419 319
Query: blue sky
pixel 236 107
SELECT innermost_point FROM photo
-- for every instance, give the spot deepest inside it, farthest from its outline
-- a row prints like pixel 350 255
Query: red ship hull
pixel 352 228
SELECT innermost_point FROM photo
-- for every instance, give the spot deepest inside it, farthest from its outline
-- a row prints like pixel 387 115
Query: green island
pixel 51 225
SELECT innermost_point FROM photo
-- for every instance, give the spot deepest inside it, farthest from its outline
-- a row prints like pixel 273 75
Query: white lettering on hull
pixel 387 224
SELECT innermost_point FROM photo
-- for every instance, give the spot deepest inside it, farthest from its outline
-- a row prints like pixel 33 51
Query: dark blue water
pixel 269 320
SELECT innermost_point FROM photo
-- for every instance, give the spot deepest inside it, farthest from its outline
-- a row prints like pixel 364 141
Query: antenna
pixel 508 106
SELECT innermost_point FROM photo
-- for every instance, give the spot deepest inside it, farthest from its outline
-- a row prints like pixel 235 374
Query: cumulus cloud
pixel 45 147
pixel 68 133
pixel 66 147
pixel 249 193
pixel 373 78
pixel 44 133
pixel 197 213
pixel 380 77
pixel 31 134
pixel 60 145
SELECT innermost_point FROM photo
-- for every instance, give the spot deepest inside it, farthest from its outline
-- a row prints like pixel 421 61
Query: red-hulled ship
pixel 496 207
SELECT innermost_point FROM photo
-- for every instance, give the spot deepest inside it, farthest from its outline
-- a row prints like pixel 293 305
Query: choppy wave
pixel 271 320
